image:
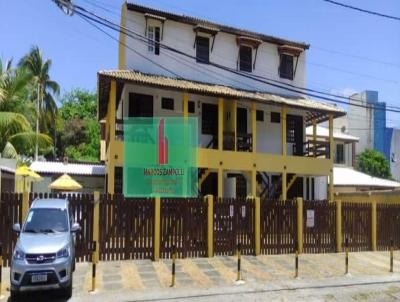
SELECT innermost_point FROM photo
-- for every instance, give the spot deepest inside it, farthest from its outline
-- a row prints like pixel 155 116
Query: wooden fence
pixel 319 227
pixel 234 225
pixel 388 224
pixel 356 221
pixel 278 226
pixel 127 228
pixel 183 226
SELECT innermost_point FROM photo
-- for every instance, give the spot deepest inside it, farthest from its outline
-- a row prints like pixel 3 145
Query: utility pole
pixel 37 122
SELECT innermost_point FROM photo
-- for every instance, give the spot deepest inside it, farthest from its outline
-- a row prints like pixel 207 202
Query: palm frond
pixel 9 151
pixel 24 141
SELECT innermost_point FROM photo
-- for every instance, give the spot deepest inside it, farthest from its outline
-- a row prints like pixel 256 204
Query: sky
pixel 350 51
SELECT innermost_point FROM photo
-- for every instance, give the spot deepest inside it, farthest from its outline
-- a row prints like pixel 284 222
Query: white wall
pixel 225 52
pixel 395 149
pixel 321 187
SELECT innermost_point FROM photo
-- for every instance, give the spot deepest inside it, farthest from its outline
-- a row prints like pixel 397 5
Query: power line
pixel 363 10
pixel 320 65
pixel 141 38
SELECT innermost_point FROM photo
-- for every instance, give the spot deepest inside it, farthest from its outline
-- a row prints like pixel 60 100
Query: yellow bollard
pixel 1 265
pixel 94 266
pixel 347 255
pixel 296 264
pixel 239 274
pixel 173 265
pixel 391 255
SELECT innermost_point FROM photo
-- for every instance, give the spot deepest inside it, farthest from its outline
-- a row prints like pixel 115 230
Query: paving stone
pixel 151 283
pixel 205 266
pixel 145 268
pixel 111 278
pixel 150 275
pixel 185 282
pixel 112 286
pixel 212 273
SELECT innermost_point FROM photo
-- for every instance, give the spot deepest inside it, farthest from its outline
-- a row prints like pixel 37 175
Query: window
pixel 275 117
pixel 191 107
pixel 260 115
pixel 153 34
pixel 202 50
pixel 118 180
pixel 339 153
pixel 286 67
pixel 167 103
pixel 245 58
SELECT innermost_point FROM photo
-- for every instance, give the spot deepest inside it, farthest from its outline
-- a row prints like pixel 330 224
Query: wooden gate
pixel 319 227
pixel 233 225
pixel 356 225
pixel 388 225
pixel 127 228
pixel 10 213
pixel 183 225
pixel 278 226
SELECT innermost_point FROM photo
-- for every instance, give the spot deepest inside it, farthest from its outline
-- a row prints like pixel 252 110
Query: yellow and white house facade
pixel 252 135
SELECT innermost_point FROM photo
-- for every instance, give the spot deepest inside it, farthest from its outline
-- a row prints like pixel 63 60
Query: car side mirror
pixel 17 228
pixel 75 227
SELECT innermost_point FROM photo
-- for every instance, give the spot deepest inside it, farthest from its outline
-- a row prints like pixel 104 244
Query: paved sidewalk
pixel 143 277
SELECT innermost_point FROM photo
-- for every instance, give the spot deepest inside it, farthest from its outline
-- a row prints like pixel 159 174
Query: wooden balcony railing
pixel 313 148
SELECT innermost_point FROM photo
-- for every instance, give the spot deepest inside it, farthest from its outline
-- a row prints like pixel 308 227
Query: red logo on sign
pixel 162 145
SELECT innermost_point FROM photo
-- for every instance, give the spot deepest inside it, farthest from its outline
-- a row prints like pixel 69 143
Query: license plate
pixel 39 278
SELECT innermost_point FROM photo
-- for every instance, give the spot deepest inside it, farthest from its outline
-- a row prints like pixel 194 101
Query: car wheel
pixel 73 265
pixel 68 289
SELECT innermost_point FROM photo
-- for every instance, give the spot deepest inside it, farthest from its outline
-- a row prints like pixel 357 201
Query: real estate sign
pixel 160 157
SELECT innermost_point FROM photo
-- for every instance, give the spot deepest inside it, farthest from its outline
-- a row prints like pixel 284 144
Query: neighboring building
pixel 349 180
pixel 346 178
pixel 367 120
pixel 7 174
pixel 90 176
pixel 344 144
pixel 252 137
pixel 392 151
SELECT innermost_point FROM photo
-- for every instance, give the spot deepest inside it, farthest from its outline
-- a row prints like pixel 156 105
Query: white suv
pixel 44 256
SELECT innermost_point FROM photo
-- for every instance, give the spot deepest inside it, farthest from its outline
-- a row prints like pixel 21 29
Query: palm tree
pixel 16 135
pixel 46 89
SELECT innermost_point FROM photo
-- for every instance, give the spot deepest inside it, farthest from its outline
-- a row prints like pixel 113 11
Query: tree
pixel 78 134
pixel 43 88
pixel 373 163
pixel 16 135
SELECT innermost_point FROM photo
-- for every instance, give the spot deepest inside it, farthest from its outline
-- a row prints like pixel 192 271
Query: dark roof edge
pixel 223 28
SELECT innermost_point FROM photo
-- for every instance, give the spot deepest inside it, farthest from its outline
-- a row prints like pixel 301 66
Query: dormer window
pixel 153 35
pixel 286 67
pixel 245 58
pixel 287 64
pixel 202 50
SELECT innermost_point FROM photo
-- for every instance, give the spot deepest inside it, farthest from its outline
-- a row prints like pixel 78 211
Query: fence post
pixel 25 205
pixel 257 222
pixel 96 223
pixel 373 225
pixel 339 226
pixel 210 225
pixel 299 246
pixel 157 226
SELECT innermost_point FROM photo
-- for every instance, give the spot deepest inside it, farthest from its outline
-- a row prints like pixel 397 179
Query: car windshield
pixel 46 221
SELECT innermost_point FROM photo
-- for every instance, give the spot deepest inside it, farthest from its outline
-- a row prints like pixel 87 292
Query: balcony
pixel 311 148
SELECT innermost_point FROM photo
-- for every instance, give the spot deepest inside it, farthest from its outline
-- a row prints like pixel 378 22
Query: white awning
pixel 51 167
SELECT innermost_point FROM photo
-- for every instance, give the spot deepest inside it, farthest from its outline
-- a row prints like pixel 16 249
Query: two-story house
pixel 252 138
